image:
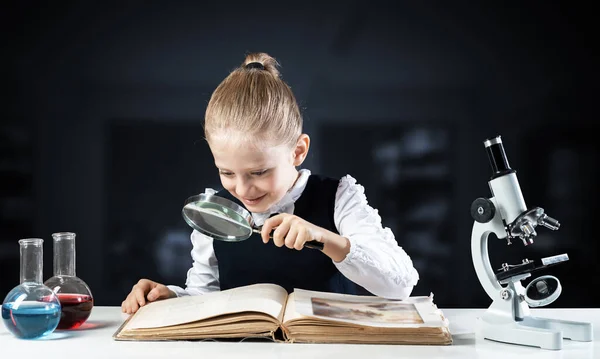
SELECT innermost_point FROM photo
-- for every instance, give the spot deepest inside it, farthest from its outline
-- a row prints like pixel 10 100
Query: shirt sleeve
pixel 375 261
pixel 203 276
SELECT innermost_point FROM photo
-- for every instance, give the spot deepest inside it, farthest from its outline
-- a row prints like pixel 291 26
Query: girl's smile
pixel 252 202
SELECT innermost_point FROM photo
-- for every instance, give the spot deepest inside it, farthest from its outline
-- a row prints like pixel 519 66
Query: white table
pixel 94 340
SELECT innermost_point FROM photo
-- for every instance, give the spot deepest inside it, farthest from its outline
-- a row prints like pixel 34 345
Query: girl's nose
pixel 242 188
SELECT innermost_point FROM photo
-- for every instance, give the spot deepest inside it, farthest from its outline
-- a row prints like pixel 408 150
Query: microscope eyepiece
pixel 497 157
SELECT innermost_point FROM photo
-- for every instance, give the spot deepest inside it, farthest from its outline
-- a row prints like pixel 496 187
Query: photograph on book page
pixel 368 310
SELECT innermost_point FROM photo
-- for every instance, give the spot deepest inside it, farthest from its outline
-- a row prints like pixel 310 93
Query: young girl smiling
pixel 253 127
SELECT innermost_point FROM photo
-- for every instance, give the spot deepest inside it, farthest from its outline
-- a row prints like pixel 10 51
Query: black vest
pixel 251 261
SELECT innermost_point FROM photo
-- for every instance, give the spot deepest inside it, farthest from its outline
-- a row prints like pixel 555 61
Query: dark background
pixel 102 107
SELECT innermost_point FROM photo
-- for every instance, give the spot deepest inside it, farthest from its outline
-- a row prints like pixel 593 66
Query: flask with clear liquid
pixel 31 310
pixel 73 293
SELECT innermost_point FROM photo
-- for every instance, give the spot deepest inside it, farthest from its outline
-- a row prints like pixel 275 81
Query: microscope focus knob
pixel 483 210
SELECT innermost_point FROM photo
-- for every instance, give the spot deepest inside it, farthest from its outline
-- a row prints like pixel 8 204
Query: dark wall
pixel 101 128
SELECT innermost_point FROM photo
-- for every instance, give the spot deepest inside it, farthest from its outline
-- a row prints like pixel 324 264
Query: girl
pixel 253 127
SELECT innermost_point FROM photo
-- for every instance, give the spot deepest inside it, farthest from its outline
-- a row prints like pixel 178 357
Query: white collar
pixel 286 204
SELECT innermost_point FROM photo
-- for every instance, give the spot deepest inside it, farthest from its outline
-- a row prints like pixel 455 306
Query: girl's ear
pixel 301 150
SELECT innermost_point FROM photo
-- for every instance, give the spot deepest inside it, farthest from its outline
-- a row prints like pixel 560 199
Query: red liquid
pixel 76 308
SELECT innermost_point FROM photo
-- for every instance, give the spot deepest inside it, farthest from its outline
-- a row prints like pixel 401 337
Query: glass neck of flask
pixel 32 255
pixel 64 253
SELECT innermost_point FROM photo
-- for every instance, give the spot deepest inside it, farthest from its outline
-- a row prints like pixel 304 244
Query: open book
pixel 266 310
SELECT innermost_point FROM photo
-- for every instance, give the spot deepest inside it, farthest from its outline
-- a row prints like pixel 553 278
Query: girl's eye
pixel 226 174
pixel 258 173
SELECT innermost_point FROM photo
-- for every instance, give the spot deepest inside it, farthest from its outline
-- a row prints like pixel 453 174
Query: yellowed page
pixel 415 312
pixel 290 309
pixel 263 298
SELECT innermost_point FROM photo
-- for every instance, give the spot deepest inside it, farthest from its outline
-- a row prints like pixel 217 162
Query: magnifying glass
pixel 223 220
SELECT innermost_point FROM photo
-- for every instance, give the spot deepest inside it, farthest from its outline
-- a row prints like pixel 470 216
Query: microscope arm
pixel 479 249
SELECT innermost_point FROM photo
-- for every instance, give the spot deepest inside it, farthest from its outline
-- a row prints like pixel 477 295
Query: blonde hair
pixel 254 100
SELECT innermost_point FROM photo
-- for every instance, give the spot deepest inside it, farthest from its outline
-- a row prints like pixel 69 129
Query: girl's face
pixel 257 174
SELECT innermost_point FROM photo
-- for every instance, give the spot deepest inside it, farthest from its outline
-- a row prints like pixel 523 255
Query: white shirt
pixel 375 262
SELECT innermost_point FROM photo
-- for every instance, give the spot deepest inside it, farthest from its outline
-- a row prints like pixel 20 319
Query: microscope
pixel 508 319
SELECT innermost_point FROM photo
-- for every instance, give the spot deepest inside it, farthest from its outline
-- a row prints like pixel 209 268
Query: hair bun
pixel 262 61
pixel 255 65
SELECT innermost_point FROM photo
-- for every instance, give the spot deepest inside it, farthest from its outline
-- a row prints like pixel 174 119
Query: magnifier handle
pixel 314 245
pixel 309 244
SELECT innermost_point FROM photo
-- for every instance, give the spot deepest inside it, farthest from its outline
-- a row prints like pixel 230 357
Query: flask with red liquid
pixel 73 293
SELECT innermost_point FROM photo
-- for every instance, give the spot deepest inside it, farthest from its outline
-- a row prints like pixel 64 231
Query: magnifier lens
pixel 217 221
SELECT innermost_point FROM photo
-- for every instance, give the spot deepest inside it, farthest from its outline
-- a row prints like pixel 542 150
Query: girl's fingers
pixel 269 225
pixel 139 295
pixel 303 237
pixel 280 233
pixel 292 237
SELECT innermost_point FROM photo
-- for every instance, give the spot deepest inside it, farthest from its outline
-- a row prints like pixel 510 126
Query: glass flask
pixel 73 293
pixel 31 310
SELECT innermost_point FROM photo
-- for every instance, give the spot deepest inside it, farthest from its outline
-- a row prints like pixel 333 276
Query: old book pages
pixel 265 310
pixel 251 311
pixel 339 318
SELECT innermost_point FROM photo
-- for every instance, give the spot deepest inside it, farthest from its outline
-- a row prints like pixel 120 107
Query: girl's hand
pixel 291 231
pixel 145 290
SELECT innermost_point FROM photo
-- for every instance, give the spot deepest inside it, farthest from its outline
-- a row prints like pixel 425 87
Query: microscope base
pixel 532 331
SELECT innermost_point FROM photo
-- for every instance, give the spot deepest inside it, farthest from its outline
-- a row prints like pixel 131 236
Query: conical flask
pixel 73 293
pixel 31 310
